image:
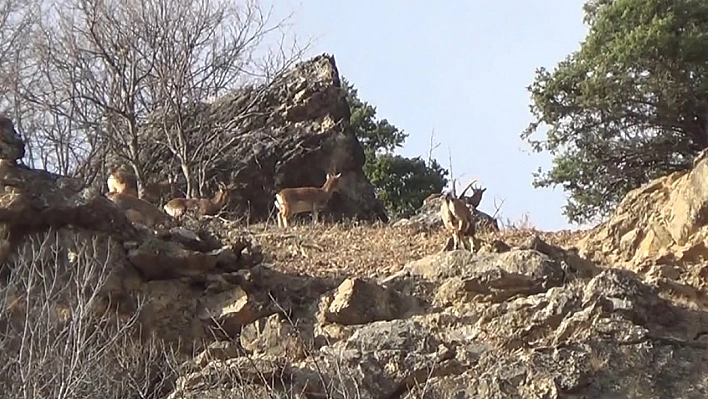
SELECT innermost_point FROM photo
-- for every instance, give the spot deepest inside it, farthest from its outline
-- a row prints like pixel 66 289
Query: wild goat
pixel 476 196
pixel 177 207
pixel 122 181
pixel 291 201
pixel 138 210
pixel 473 200
pixel 458 220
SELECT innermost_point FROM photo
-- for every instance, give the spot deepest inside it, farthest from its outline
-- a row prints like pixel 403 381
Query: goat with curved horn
pixel 458 220
pixel 476 198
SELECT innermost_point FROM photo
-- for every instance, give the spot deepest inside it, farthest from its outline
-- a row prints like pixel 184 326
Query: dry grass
pixel 345 249
pixel 364 250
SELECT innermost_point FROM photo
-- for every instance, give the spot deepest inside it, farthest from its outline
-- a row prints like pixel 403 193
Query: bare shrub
pixel 62 332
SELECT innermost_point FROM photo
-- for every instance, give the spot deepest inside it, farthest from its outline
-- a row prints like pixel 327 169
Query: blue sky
pixel 460 68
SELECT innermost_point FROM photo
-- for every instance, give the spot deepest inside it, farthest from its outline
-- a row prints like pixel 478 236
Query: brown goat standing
pixel 291 201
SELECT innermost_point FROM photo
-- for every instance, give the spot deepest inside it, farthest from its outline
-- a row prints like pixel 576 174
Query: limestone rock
pixel 196 241
pixel 273 336
pixel 359 302
pixel 572 263
pixel 530 263
pixel 219 351
pixel 233 373
pixel 579 336
pixel 34 200
pixel 230 310
pixel 163 260
pixel 664 220
pixel 171 308
pixel 391 356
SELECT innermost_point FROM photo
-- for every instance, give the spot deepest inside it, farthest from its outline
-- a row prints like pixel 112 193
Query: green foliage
pixel 401 183
pixel 629 106
pixel 376 136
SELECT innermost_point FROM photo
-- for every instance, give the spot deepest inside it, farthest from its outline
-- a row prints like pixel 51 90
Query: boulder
pixel 220 351
pixel 11 146
pixel 289 133
pixel 273 336
pixel 230 310
pixel 359 302
pixel 34 200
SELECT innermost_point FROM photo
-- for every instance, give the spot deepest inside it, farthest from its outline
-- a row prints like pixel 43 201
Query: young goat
pixel 177 207
pixel 458 220
pixel 138 210
pixel 291 201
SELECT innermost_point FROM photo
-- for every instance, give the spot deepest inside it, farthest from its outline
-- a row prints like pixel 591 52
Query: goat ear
pixel 338 175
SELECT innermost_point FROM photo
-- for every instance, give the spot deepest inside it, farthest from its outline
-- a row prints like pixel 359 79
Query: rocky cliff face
pixel 287 134
pixel 664 222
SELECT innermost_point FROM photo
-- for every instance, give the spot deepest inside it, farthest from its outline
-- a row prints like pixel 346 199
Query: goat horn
pixel 467 188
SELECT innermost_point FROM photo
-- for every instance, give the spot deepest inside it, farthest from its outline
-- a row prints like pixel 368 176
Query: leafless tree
pixel 96 57
pixel 16 21
pixel 217 51
pixel 92 73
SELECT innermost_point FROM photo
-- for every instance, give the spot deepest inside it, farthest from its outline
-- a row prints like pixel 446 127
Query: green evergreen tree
pixel 401 183
pixel 630 105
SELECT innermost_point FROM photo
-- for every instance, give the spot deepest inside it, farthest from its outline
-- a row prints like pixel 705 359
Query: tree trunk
pixel 187 172
pixel 135 161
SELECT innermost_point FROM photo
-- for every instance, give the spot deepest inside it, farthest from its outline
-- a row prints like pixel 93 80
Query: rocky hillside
pixel 94 306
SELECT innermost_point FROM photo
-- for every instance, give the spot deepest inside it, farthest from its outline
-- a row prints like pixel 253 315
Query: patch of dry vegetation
pixel 368 250
pixel 342 250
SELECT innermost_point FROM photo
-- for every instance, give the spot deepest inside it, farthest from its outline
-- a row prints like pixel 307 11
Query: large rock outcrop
pixel 523 323
pixel 287 134
pixel 532 321
pixel 664 221
pixel 55 222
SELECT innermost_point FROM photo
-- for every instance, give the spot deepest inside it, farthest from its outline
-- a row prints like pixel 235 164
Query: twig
pixel 433 147
pixel 497 208
pixel 452 176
